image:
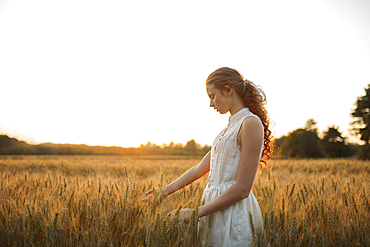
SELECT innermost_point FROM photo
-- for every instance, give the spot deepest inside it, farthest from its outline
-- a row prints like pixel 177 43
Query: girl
pixel 237 153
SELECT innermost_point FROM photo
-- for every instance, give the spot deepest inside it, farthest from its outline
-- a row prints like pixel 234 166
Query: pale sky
pixel 128 72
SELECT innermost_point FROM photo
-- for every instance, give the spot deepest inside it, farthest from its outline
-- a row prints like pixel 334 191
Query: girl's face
pixel 219 100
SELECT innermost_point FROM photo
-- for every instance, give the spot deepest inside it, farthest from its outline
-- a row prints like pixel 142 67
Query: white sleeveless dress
pixel 231 226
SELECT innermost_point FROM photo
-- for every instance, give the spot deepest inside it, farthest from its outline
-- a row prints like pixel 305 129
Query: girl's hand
pixel 184 214
pixel 157 193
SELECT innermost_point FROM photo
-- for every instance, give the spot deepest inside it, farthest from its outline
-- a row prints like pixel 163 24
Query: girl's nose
pixel 211 103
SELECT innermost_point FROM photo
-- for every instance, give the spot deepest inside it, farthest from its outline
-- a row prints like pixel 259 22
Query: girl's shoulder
pixel 251 123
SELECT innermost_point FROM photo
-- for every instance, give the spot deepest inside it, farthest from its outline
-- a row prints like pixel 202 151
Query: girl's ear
pixel 229 90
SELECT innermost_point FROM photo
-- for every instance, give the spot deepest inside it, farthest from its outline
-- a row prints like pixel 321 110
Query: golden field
pixel 96 201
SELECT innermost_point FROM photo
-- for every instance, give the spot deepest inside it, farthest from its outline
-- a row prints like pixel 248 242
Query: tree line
pixel 305 142
pixel 12 146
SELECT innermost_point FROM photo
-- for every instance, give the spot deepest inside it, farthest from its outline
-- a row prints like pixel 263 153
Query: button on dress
pixel 231 226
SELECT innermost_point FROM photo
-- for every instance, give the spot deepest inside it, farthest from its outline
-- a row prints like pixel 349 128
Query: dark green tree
pixel 333 144
pixel 310 125
pixel 361 123
pixel 361 115
pixel 302 143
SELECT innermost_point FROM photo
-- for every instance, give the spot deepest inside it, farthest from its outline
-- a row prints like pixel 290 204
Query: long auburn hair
pixel 253 100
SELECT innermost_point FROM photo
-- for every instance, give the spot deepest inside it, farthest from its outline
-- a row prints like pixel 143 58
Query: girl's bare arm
pixel 188 177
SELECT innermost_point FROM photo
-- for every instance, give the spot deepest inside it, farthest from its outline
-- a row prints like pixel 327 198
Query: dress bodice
pixel 225 152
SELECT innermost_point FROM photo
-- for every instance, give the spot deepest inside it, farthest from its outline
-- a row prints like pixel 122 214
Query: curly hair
pixel 253 100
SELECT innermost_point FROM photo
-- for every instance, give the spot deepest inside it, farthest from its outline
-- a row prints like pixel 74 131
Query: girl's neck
pixel 237 106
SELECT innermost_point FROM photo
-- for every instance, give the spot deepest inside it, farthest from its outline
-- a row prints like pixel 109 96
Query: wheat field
pixel 96 201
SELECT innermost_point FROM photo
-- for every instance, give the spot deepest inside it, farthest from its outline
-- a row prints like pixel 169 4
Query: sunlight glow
pixel 124 72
